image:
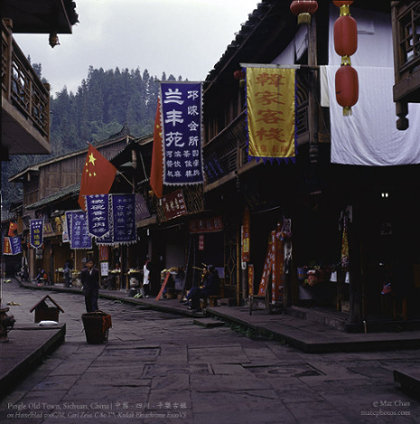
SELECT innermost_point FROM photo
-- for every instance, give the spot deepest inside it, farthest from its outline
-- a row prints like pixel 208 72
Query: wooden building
pixel 49 189
pixel 317 194
pixel 25 99
pixel 405 29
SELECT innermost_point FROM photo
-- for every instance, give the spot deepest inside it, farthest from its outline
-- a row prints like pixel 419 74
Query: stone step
pixel 209 322
pixel 408 381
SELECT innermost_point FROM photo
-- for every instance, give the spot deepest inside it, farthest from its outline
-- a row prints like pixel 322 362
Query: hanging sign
pixel 65 234
pixel 206 225
pixel 124 218
pixel 182 133
pixel 36 233
pixel 201 242
pixel 103 253
pixel 271 113
pixel 16 245
pixel 245 236
pixel 173 205
pixel 7 248
pixel 250 279
pixel 98 210
pixel 79 234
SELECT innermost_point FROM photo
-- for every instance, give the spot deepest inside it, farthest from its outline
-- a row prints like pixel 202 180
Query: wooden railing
pixel 20 84
pixel 406 38
pixel 407 30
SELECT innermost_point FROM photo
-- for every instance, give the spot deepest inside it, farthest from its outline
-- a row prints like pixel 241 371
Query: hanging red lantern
pixel 340 3
pixel 346 88
pixel 345 37
pixel 304 9
pixel 239 74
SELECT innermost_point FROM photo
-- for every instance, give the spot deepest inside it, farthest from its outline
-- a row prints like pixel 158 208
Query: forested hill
pixel 101 105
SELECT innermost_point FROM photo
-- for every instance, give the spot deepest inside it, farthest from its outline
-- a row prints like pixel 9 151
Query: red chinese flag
pixel 98 174
pixel 12 229
pixel 156 172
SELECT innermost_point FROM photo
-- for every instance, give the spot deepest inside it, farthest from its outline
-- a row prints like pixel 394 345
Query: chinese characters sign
pixel 36 232
pixel 12 245
pixel 271 112
pixel 124 216
pixel 173 205
pixel 182 133
pixel 97 206
pixel 79 234
pixel 206 225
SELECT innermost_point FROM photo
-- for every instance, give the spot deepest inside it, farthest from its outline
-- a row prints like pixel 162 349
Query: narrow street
pixel 158 367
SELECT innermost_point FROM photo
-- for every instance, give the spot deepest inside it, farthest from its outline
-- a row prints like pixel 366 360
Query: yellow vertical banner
pixel 271 112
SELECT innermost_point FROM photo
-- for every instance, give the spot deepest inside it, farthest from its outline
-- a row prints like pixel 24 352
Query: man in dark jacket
pixel 90 282
pixel 211 286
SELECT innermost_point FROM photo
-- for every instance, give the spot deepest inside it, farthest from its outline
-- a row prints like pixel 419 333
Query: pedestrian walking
pixel 90 283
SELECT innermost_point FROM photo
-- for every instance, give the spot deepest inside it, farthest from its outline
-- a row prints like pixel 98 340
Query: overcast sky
pixel 179 37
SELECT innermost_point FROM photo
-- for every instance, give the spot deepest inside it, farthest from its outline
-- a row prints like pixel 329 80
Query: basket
pixel 96 325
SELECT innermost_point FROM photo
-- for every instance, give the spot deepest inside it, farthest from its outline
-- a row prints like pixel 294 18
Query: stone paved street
pixel 162 368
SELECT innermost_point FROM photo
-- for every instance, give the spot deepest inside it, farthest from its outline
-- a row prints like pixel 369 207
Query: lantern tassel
pixel 347 111
pixel 304 18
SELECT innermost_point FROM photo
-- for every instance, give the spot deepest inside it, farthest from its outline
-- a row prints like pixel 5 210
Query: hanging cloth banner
pixel 16 245
pixel 124 218
pixel 182 133
pixel 65 234
pixel 36 227
pixel 98 211
pixel 79 234
pixel 7 248
pixel 271 113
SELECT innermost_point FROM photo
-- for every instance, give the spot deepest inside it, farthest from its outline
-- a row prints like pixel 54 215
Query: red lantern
pixel 345 35
pixel 239 74
pixel 346 88
pixel 340 3
pixel 304 9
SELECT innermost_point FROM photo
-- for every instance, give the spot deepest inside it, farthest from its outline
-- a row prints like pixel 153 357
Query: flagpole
pixel 125 178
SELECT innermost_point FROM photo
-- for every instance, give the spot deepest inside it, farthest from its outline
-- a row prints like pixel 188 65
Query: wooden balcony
pixel 225 155
pixel 406 38
pixel 25 101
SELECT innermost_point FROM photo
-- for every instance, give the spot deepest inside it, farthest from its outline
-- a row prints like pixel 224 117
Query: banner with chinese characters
pixel 206 225
pixel 271 113
pixel 79 234
pixel 12 245
pixel 173 205
pixel 182 133
pixel 65 234
pixel 36 233
pixel 98 210
pixel 124 218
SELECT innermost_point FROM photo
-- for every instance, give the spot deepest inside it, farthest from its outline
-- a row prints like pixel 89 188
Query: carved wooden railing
pixel 406 36
pixel 20 84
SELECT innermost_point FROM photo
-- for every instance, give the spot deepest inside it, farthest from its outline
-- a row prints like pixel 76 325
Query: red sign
pixel 206 225
pixel 245 236
pixel 201 242
pixel 103 253
pixel 251 279
pixel 173 205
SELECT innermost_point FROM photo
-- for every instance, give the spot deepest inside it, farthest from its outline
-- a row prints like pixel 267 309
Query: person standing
pixel 90 282
pixel 146 278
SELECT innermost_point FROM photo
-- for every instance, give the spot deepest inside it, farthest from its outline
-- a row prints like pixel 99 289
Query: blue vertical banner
pixel 36 227
pixel 124 218
pixel 12 245
pixel 79 234
pixel 182 132
pixel 98 210
pixel 16 245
